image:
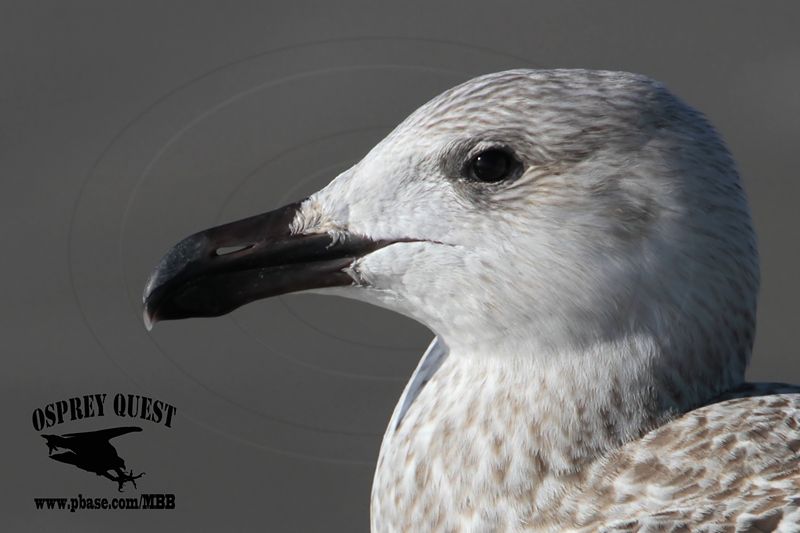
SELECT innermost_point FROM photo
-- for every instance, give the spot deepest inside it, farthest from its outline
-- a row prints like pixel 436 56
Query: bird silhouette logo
pixel 92 451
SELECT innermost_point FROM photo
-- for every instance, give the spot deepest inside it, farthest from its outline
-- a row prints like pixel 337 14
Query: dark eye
pixel 491 165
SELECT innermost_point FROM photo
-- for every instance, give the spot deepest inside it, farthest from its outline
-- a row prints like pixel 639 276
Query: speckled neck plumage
pixel 515 434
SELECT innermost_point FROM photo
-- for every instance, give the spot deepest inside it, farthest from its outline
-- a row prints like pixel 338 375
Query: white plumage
pixel 595 315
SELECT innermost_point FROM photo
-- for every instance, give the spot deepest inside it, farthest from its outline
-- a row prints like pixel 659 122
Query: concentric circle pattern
pixel 239 140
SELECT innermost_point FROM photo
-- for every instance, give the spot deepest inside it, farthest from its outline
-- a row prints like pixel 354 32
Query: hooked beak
pixel 213 272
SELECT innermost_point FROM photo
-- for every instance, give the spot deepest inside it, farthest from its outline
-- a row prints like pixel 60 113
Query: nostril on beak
pixel 227 250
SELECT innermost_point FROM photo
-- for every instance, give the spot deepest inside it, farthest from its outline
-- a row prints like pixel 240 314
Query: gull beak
pixel 213 272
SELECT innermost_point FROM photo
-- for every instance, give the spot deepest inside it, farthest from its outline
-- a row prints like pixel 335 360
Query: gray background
pixel 125 126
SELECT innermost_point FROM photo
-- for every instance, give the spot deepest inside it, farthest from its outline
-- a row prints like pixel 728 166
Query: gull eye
pixel 491 165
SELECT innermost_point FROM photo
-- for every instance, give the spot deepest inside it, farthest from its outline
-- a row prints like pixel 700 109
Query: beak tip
pixel 148 319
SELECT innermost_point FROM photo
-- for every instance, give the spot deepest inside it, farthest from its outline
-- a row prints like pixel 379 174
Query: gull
pixel 581 245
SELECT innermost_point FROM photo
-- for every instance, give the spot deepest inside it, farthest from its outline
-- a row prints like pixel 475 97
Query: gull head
pixel 525 214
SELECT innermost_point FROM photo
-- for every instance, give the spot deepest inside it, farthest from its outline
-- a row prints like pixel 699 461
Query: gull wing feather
pixel 729 466
pixel 431 361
